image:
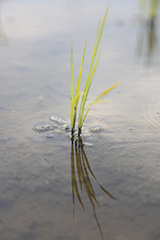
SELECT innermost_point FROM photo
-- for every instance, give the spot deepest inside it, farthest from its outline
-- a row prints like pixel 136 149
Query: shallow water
pixel 118 165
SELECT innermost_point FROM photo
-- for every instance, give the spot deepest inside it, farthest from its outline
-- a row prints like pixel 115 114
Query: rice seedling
pixel 74 99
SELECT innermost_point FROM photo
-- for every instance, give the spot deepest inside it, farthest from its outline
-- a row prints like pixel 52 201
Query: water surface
pixel 37 177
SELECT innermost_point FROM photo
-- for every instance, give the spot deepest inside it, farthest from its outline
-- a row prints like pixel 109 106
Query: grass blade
pixel 77 91
pixel 75 100
pixel 86 91
pixel 100 33
pixel 92 67
pixel 80 71
pixel 106 91
pixel 97 100
pixel 71 90
pixel 83 111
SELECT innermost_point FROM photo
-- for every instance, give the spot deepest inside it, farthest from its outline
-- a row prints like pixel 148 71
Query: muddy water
pixel 109 187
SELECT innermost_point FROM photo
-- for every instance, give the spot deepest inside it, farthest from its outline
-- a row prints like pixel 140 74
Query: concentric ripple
pixel 152 112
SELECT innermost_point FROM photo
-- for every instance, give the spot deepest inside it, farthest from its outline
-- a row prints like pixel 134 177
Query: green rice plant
pixel 83 109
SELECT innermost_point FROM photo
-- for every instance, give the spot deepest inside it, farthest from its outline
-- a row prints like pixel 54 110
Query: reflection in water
pixel 2 34
pixel 148 37
pixel 80 175
pixel 149 8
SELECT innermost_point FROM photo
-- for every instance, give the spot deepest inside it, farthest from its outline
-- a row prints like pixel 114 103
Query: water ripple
pixel 152 112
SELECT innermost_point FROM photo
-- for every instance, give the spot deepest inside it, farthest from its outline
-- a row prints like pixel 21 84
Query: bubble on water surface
pixel 58 120
pixel 87 144
pixel 45 127
pixel 50 135
pixel 96 129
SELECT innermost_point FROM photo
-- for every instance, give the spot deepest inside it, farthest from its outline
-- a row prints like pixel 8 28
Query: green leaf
pixel 71 90
pixel 80 74
pixel 97 100
pixel 92 67
pixel 74 101
pixel 107 91
pixel 86 90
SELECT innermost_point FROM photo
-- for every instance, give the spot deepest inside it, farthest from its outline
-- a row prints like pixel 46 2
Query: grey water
pixel 108 185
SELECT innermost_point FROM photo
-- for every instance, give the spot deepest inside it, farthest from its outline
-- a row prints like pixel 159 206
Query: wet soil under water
pixel 45 181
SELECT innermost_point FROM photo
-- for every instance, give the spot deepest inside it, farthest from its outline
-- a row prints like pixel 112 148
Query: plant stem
pixel 79 131
pixel 74 122
pixel 72 132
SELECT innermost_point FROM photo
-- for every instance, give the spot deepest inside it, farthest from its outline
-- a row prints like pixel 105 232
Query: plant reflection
pixel 2 34
pixel 80 176
pixel 148 37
